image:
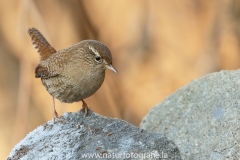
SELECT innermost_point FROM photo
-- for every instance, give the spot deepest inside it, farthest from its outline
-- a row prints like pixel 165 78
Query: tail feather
pixel 41 44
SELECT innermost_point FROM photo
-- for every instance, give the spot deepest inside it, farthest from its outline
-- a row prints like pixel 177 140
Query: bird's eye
pixel 98 58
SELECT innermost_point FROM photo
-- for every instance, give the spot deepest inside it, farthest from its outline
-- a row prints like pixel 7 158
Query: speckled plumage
pixel 74 73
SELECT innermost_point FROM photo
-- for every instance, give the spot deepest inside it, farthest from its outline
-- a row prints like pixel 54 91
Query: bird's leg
pixel 54 112
pixel 85 108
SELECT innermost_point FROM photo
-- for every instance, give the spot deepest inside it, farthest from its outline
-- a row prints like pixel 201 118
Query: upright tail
pixel 40 44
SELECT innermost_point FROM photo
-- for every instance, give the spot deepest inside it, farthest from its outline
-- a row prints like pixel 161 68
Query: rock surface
pixel 202 118
pixel 73 135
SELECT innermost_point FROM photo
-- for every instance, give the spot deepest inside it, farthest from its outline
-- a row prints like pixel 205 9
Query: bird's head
pixel 99 54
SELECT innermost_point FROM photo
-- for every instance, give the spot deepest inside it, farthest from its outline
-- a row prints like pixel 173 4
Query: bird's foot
pixel 56 118
pixel 85 108
pixel 54 112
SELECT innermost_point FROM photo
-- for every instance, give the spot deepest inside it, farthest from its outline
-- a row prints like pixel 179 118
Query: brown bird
pixel 74 73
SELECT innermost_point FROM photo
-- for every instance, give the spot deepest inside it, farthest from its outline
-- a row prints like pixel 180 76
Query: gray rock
pixel 73 135
pixel 202 118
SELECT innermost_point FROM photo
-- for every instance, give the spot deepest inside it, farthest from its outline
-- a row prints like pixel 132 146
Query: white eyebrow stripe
pixel 94 50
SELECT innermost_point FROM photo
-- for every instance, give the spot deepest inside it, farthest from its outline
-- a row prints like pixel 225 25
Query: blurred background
pixel 157 46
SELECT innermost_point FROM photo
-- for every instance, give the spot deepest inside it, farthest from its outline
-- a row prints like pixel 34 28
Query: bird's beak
pixel 111 68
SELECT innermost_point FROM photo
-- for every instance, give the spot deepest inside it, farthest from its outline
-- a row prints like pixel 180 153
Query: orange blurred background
pixel 157 46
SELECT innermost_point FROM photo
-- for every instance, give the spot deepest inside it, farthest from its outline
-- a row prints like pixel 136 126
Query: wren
pixel 74 73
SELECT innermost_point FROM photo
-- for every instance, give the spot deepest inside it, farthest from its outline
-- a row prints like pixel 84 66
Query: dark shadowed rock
pixel 73 135
pixel 202 118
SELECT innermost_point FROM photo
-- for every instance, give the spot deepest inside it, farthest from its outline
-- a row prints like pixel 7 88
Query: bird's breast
pixel 73 87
